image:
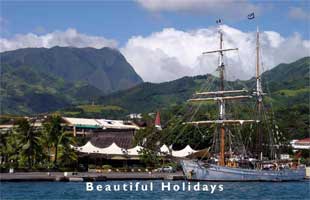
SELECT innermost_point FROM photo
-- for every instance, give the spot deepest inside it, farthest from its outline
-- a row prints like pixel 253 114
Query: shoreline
pixel 87 176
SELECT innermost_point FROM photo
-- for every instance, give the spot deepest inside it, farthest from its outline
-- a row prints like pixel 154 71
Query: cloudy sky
pixel 164 39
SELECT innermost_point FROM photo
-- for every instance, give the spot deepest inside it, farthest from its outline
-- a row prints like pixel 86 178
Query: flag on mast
pixel 251 15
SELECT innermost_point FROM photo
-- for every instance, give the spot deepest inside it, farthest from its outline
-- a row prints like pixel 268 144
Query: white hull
pixel 193 170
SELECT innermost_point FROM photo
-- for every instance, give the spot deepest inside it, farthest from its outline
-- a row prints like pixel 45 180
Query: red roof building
pixel 303 141
pixel 301 144
pixel 157 121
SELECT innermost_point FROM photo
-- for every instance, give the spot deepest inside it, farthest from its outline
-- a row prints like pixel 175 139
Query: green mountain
pixel 35 80
pixel 287 100
pixel 25 90
pixel 148 97
pixel 289 76
pixel 105 69
pixel 286 83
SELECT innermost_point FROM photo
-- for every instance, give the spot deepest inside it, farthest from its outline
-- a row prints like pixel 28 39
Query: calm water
pixel 67 190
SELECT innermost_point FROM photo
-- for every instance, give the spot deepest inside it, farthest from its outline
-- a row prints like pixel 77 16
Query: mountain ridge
pixel 184 87
pixel 78 64
pixel 35 80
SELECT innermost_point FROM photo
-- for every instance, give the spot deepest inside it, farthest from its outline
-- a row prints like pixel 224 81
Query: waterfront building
pixel 301 144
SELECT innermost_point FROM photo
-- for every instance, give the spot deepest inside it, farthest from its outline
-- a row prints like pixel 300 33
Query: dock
pixel 87 176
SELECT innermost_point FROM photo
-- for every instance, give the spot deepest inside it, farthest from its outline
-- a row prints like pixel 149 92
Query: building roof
pixel 114 149
pixel 105 139
pixel 301 144
pixel 82 122
pixel 117 124
pixel 303 141
pixel 100 123
pixel 157 119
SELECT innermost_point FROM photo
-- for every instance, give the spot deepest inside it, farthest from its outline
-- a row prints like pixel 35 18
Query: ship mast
pixel 221 102
pixel 221 97
pixel 221 69
pixel 259 98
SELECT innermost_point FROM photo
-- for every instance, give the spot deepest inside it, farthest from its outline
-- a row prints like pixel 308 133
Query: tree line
pixel 31 147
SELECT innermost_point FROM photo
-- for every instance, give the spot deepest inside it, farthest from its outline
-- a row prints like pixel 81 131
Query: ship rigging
pixel 199 170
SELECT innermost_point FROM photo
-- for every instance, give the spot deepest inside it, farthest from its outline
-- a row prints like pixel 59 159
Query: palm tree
pixel 12 148
pixel 46 139
pixel 55 137
pixel 53 132
pixel 28 140
pixel 67 153
pixel 4 135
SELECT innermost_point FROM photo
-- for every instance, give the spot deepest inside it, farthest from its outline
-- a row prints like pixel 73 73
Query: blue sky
pixel 165 37
pixel 122 19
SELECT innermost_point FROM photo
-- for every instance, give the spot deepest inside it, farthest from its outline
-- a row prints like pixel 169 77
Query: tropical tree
pixel 46 139
pixel 149 138
pixel 149 157
pixel 11 149
pixel 28 141
pixel 67 153
pixel 52 133
pixel 59 140
pixel 4 135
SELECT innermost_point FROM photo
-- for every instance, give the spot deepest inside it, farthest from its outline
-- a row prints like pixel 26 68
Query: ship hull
pixel 194 170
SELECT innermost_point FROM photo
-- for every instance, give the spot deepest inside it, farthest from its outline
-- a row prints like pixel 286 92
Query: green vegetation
pixel 286 111
pixel 95 111
pixel 98 108
pixel 38 80
pixel 24 90
pixel 287 86
pixel 148 97
pixel 29 87
pixel 149 157
pixel 31 147
pixel 67 81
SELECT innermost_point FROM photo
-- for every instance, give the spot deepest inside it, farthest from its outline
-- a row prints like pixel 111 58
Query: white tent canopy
pixel 113 149
pixel 164 149
pixel 183 152
pixel 134 151
pixel 87 148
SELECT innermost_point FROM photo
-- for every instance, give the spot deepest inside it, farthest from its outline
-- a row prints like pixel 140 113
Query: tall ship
pixel 226 165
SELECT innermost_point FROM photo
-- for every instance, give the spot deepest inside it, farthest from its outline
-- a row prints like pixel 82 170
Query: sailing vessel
pixel 221 169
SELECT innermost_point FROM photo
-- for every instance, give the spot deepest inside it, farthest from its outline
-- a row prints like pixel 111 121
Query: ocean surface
pixel 230 190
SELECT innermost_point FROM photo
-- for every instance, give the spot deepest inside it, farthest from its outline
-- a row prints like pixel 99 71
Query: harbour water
pixel 231 190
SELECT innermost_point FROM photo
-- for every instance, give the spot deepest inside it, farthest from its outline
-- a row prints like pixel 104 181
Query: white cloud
pixel 171 53
pixel 70 37
pixel 229 8
pixel 298 14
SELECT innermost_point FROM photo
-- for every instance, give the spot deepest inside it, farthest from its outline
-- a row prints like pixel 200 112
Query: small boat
pixel 221 168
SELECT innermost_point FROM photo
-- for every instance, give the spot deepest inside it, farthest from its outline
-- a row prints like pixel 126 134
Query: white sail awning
pixel 183 152
pixel 114 149
pixel 88 148
pixel 164 149
pixel 134 151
